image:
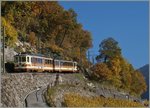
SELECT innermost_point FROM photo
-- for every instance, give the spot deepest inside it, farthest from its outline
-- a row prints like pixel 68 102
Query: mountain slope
pixel 145 72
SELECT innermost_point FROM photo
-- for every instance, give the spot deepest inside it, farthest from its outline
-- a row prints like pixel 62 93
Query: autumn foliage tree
pixel 32 38
pixel 10 32
pixel 57 29
pixel 108 49
pixel 121 73
pixel 102 72
pixel 138 84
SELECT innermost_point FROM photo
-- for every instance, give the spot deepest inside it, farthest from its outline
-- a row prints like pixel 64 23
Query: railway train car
pixel 36 63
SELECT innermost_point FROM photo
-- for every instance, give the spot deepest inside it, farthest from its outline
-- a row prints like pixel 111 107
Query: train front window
pixel 23 59
pixel 19 59
pixel 51 62
pixel 27 59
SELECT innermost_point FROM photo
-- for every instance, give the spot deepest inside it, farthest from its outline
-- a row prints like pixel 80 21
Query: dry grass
pixel 75 100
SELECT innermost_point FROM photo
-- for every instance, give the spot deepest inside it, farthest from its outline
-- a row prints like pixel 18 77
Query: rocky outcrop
pixel 9 54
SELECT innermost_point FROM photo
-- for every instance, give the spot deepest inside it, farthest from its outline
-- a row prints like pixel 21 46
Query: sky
pixel 126 22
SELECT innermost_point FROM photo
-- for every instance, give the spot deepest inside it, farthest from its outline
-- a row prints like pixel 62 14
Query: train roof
pixel 40 55
pixel 30 54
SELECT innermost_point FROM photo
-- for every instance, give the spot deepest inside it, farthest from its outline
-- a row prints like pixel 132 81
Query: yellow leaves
pixel 10 32
pixel 115 65
pixel 3 21
pixel 75 100
pixel 138 83
pixel 102 71
pixel 32 38
pixel 55 48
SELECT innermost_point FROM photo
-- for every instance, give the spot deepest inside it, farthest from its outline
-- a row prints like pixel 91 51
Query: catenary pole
pixel 3 49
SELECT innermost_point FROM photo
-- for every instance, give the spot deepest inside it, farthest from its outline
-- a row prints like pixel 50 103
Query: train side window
pixel 27 59
pixel 64 64
pixel 35 60
pixel 57 63
pixel 61 63
pixel 45 61
pixel 51 62
pixel 23 59
pixel 41 61
pixel 32 59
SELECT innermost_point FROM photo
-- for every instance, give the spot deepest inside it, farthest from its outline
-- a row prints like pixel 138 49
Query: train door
pixel 75 66
pixel 16 60
pixel 59 66
pixel 40 64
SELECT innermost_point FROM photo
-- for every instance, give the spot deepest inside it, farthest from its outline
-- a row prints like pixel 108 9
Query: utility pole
pixel 93 60
pixel 89 58
pixel 3 49
pixel 39 44
pixel 80 56
pixel 88 55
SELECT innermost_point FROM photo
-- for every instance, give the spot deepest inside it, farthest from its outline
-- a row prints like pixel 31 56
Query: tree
pixel 109 48
pixel 125 74
pixel 138 83
pixel 32 39
pixel 101 71
pixel 115 67
pixel 122 76
pixel 10 32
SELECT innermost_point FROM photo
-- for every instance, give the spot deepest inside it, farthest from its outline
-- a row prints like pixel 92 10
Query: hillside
pixel 145 72
pixel 47 27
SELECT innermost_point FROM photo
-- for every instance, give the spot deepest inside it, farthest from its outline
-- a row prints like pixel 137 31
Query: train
pixel 39 63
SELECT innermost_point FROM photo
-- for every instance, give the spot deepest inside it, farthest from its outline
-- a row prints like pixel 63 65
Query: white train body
pixel 27 62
